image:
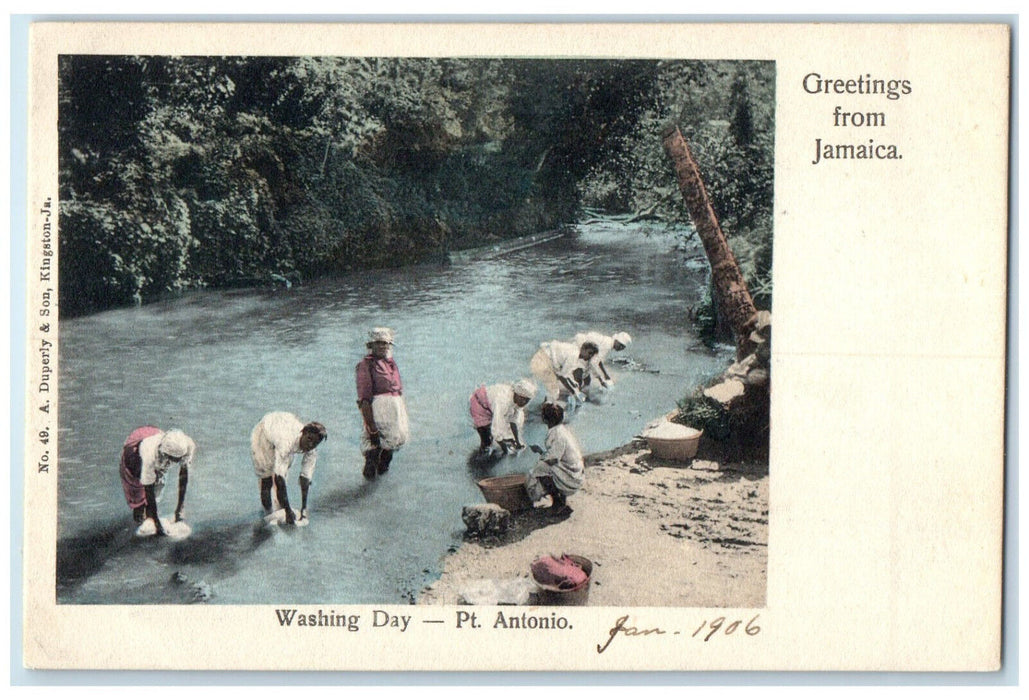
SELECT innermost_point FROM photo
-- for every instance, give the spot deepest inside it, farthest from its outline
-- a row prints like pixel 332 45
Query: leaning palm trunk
pixel 740 398
pixel 733 297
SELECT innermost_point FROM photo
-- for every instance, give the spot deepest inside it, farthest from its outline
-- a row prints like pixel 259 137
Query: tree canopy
pixel 179 172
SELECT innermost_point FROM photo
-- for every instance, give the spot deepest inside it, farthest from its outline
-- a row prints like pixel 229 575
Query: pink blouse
pixel 377 376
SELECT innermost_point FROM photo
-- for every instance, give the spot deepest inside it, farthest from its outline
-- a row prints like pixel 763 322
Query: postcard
pixel 427 346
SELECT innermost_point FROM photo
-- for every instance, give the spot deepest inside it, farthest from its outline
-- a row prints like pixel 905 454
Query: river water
pixel 212 363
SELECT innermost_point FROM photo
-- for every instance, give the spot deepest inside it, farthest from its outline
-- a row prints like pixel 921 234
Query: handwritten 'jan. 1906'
pixel 711 627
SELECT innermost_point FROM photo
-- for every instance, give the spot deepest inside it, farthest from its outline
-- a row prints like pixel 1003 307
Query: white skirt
pixel 390 414
pixel 543 370
pixel 566 481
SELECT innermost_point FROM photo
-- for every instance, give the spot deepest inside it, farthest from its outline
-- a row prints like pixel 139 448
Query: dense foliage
pixel 725 111
pixel 180 172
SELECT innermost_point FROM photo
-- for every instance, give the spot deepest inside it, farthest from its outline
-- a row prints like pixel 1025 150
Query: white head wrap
pixel 623 338
pixel 526 388
pixel 174 444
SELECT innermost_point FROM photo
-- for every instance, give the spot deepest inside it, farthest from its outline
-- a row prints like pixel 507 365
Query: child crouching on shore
pixel 559 472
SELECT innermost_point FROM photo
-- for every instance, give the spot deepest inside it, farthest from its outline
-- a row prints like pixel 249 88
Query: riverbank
pixel 503 247
pixel 659 533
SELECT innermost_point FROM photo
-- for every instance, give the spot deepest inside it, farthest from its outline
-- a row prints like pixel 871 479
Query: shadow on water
pixel 81 556
pixel 338 501
pixel 498 464
pixel 480 465
pixel 223 545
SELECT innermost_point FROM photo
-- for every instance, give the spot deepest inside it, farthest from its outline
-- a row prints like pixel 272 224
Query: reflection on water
pixel 213 363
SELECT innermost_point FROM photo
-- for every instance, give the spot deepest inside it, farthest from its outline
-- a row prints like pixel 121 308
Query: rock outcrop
pixel 486 519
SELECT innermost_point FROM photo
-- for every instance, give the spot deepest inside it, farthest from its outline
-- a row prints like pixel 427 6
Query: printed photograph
pixel 433 331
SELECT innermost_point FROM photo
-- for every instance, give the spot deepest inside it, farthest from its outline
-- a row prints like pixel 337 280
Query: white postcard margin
pixel 886 486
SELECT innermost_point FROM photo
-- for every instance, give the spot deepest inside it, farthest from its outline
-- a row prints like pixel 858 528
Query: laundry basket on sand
pixel 553 595
pixel 672 441
pixel 508 492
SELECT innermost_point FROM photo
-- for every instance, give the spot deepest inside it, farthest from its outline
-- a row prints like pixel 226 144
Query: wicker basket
pixel 551 595
pixel 677 449
pixel 508 492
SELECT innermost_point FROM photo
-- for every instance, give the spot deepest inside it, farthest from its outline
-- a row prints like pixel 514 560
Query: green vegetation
pixel 698 411
pixel 740 433
pixel 185 172
pixel 725 112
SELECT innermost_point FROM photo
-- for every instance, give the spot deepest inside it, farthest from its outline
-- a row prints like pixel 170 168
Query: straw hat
pixel 376 335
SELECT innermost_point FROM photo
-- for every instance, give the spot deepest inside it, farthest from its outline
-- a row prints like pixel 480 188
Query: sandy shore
pixel 659 534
